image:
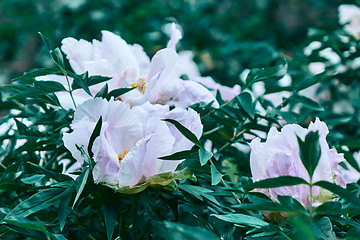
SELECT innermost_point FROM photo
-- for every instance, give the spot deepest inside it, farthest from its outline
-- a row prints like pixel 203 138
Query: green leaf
pixel 30 76
pixel 63 210
pixel 58 58
pixel 196 191
pixel 35 203
pixel 27 224
pixel 246 103
pixel 181 231
pixel 94 135
pixel 49 86
pixel 306 102
pixel 33 179
pixel 242 219
pixel 80 184
pixel 110 212
pixel 180 155
pixel 276 182
pixel 285 204
pixel 80 81
pixel 118 92
pixel 256 75
pixel 342 192
pixel 310 151
pixel 46 41
pixel 103 92
pixel 186 132
pixel 311 81
pixel 216 176
pixel 204 156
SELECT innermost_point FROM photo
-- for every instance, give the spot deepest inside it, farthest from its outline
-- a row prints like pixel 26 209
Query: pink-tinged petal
pixel 160 144
pixel 175 36
pixel 191 93
pixel 80 136
pixel 142 59
pixel 130 172
pixel 119 55
pixel 107 162
pixel 78 52
pixel 227 93
pixel 162 68
pixel 187 66
pixel 279 156
pixel 189 119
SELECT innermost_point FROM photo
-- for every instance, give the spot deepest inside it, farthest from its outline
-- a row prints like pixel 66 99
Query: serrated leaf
pixel 180 155
pixel 216 176
pixel 186 132
pixel 242 219
pixel 306 102
pixel 94 135
pixel 204 156
pixel 246 103
pixel 310 151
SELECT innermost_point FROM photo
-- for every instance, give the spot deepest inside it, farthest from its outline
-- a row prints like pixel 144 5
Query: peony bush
pixel 114 141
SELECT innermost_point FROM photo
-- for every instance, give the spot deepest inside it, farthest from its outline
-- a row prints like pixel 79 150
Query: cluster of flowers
pixel 133 136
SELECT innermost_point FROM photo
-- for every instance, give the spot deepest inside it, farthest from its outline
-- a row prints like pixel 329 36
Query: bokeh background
pixel 226 36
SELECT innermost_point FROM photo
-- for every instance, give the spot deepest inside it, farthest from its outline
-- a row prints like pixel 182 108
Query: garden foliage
pixel 146 139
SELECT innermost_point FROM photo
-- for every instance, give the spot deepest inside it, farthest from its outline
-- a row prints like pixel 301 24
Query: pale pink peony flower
pixel 349 16
pixel 279 156
pixel 131 139
pixel 129 66
pixel 351 174
pixel 188 67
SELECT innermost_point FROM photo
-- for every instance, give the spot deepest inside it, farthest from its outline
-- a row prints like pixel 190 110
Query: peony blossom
pixel 131 139
pixel 350 174
pixel 189 68
pixel 129 66
pixel 349 16
pixel 279 156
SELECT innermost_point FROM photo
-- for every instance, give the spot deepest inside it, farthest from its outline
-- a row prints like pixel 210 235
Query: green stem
pixel 70 90
pixel 214 109
pixel 231 140
pixel 226 185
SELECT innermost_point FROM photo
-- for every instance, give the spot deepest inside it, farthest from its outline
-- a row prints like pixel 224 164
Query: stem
pixel 226 185
pixel 214 109
pixel 134 215
pixel 70 90
pixel 231 140
pixel 284 235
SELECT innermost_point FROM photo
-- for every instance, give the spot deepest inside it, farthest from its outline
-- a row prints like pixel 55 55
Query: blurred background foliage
pixel 226 36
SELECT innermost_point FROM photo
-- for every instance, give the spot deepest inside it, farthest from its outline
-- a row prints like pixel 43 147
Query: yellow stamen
pixel 121 156
pixel 140 85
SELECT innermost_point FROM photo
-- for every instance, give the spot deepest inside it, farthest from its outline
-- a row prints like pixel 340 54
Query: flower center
pixel 140 85
pixel 121 156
